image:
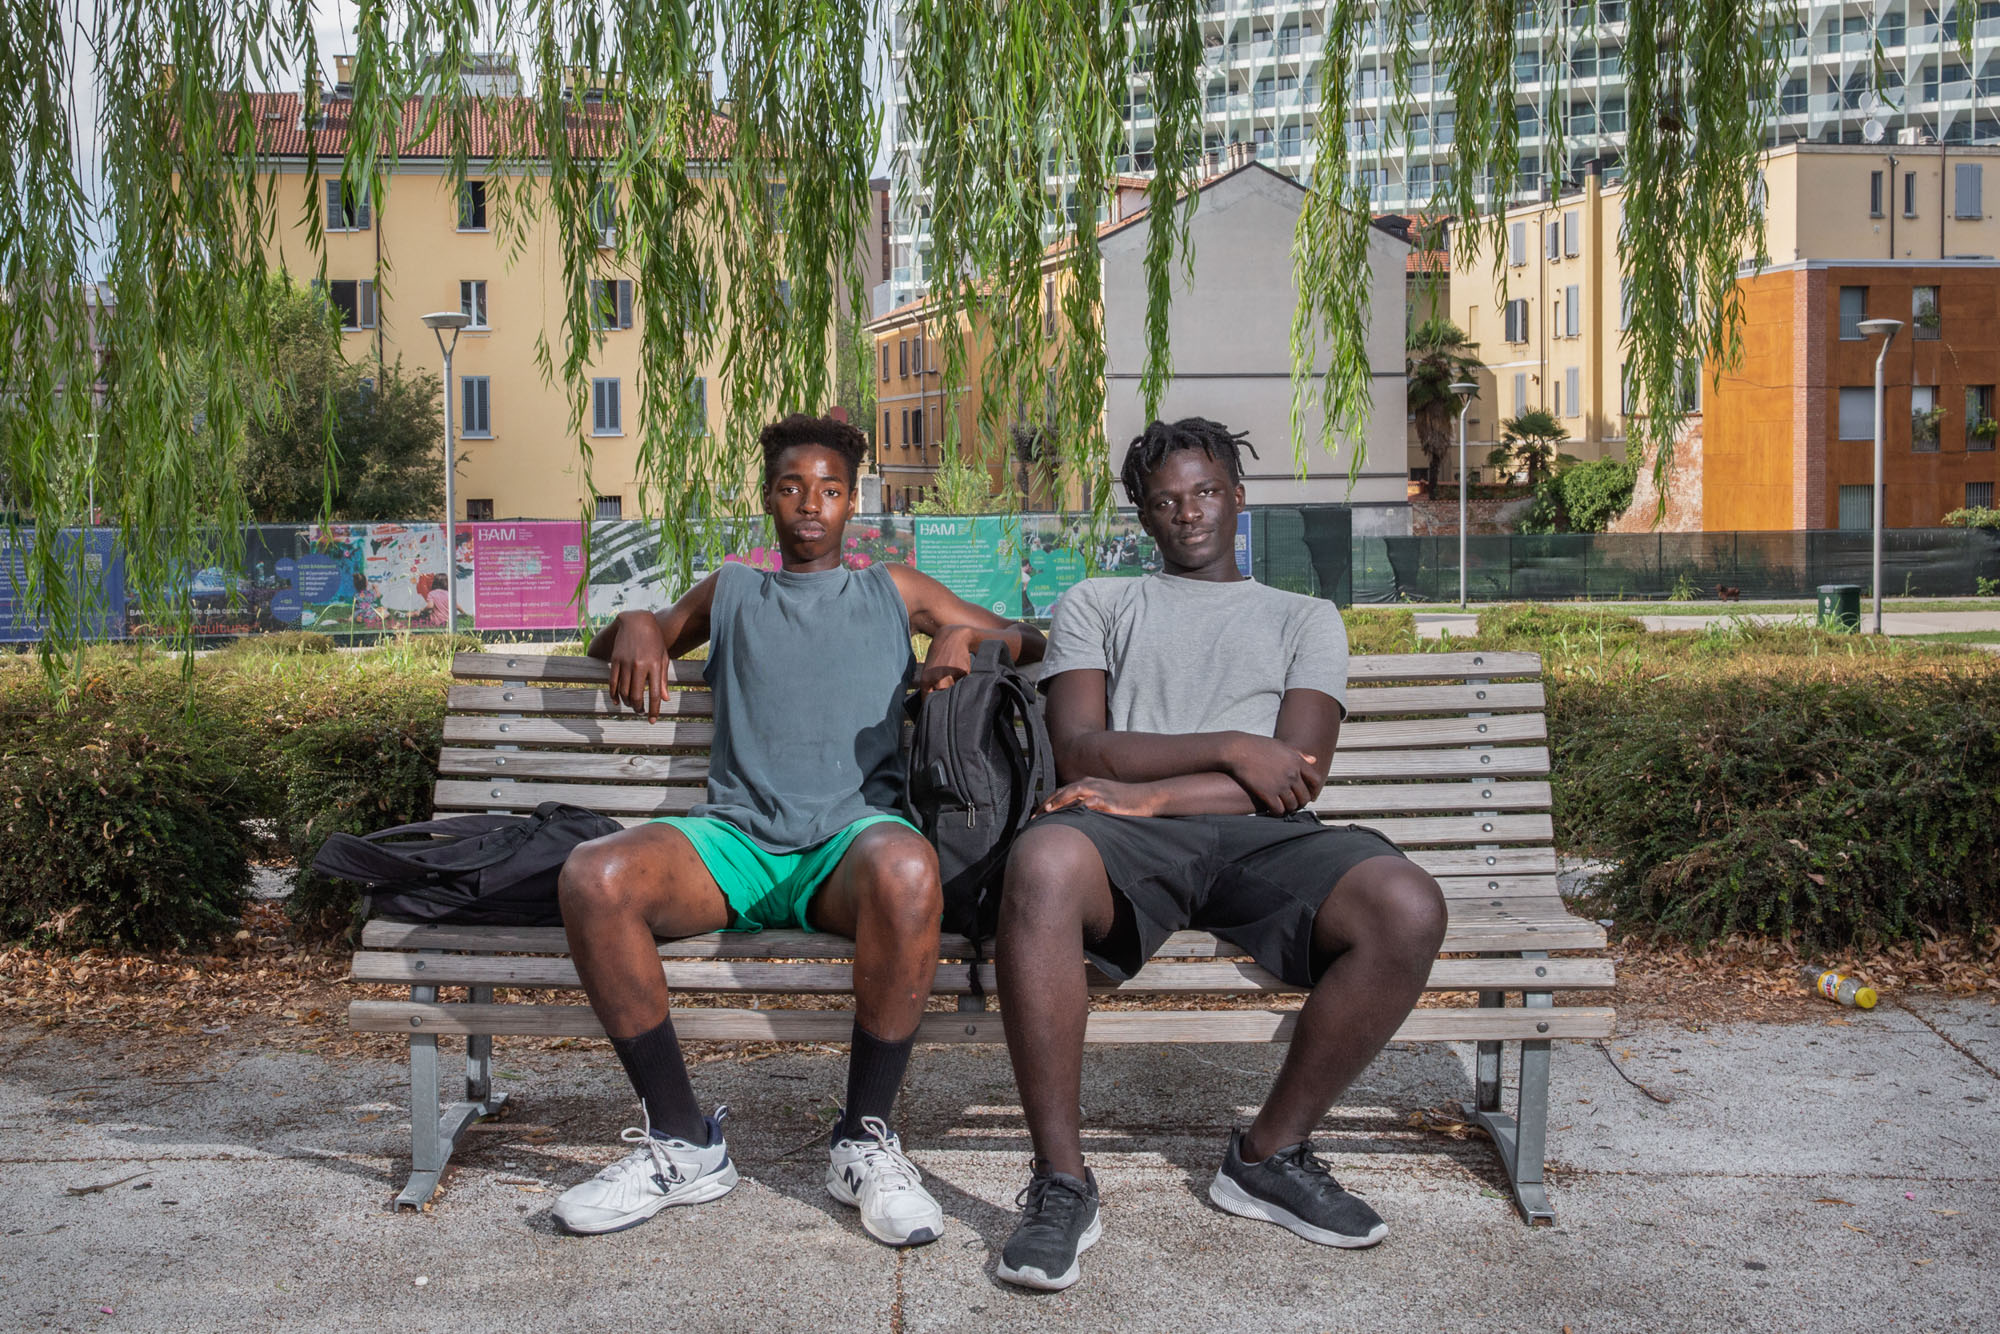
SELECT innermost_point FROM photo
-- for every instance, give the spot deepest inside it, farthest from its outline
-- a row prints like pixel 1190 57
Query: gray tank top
pixel 809 672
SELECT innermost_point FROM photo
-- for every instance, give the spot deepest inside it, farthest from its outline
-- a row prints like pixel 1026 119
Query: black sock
pixel 653 1062
pixel 874 1076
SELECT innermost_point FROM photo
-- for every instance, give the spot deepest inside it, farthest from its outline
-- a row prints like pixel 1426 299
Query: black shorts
pixel 1256 881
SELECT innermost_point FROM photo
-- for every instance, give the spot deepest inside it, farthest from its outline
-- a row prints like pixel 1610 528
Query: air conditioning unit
pixel 607 238
pixel 1912 134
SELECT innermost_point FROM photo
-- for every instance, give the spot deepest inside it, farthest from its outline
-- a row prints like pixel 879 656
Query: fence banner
pixel 525 574
pixel 100 586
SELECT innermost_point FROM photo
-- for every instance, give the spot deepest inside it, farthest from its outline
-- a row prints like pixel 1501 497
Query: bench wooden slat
pixel 1337 799
pixel 687 671
pixel 836 1026
pixel 952 979
pixel 631 733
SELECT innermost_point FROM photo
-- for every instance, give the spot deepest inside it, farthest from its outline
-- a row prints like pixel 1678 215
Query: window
pixel 1853 310
pixel 1517 244
pixel 903 357
pixel 472 301
pixel 604 212
pixel 346 209
pixel 917 428
pixel 698 401
pixel 611 507
pixel 1552 246
pixel 917 354
pixel 605 418
pixel 475 414
pixel 610 303
pixel 1573 311
pixel 1874 194
pixel 478 511
pixel 883 350
pixel 1909 194
pixel 1688 373
pixel 1625 302
pixel 1857 507
pixel 1964 192
pixel 1520 393
pixel 1517 320
pixel 1979 495
pixel 1857 413
pixel 886 437
pixel 1924 419
pixel 1924 321
pixel 1573 233
pixel 1979 423
pixel 1559 399
pixel 1573 391
pixel 1626 394
pixel 906 428
pixel 472 206
pixel 355 300
pixel 1048 308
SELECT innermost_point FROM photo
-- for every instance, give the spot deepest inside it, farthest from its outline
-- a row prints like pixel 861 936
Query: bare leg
pixel 1056 899
pixel 1381 925
pixel 618 893
pixel 886 898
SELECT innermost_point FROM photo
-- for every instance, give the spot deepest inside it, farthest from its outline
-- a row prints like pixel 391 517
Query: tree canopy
pixel 1014 106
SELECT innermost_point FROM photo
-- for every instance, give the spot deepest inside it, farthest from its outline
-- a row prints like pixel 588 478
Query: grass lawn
pixel 1710 607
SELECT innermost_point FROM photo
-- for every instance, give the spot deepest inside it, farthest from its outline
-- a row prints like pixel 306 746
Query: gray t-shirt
pixel 1191 655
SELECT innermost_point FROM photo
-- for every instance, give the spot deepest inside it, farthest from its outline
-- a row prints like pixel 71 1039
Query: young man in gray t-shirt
pixel 1194 714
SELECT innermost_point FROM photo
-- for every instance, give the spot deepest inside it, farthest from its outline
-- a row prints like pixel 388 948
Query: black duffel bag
pixel 469 870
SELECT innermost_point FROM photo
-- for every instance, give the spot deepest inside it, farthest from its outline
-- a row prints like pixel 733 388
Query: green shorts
pixel 765 888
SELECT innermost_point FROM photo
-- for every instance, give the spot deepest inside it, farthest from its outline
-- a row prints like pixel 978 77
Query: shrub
pixel 1833 800
pixel 367 762
pixel 1582 499
pixel 125 816
pixel 1977 516
pixel 1383 631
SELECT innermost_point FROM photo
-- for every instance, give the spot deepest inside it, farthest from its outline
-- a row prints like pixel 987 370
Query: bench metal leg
pixel 1521 1139
pixel 434 1134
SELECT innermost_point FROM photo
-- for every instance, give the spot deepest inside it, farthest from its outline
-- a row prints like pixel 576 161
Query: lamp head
pixel 1465 389
pixel 1882 328
pixel 447 319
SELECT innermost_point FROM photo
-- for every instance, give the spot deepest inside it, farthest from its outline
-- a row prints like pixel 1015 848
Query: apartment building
pixel 1784 439
pixel 425 246
pixel 1264 72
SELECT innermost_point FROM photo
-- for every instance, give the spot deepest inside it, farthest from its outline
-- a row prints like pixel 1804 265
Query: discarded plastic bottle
pixel 1848 991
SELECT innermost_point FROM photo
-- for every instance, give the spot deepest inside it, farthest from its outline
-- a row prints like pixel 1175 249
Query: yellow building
pixel 439 249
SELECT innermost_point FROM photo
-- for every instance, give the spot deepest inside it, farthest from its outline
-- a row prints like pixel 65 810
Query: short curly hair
pixel 1150 448
pixel 826 432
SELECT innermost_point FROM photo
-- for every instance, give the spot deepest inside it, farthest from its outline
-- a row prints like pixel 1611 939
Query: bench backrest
pixel 1442 752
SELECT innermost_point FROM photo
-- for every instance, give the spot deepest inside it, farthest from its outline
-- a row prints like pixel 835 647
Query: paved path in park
pixel 1828 1176
pixel 1433 625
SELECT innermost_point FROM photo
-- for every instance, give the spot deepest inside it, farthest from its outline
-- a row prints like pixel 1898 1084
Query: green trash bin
pixel 1840 606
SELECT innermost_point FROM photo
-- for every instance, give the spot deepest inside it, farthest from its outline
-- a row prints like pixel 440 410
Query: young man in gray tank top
pixel 1193 714
pixel 809 665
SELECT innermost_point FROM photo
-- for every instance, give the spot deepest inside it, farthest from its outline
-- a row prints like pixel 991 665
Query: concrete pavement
pixel 1817 1177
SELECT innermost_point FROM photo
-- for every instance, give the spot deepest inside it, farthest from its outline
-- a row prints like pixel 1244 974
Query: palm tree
pixel 1532 442
pixel 1438 356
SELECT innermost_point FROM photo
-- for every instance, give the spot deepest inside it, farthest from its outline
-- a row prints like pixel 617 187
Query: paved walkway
pixel 1832 1177
pixel 1433 624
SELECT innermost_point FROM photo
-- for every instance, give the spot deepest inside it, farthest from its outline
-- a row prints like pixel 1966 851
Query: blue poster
pixel 100 584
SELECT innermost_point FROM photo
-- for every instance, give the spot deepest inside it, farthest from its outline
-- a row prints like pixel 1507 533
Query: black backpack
pixel 469 870
pixel 979 764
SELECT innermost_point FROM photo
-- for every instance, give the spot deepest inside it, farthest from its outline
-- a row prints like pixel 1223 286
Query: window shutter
pixel 1572 232
pixel 336 217
pixel 1517 244
pixel 365 299
pixel 361 210
pixel 624 303
pixel 1573 391
pixel 1520 393
pixel 1573 310
pixel 699 392
pixel 1553 249
pixel 1965 191
pixel 1625 302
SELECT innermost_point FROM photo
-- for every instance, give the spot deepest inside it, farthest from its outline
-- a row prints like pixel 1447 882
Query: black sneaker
pixel 1058 1223
pixel 1294 1189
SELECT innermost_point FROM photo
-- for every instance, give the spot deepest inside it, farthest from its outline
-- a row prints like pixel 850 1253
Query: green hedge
pixel 1834 789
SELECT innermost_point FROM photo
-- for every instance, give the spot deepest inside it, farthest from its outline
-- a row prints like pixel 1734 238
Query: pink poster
pixel 526 574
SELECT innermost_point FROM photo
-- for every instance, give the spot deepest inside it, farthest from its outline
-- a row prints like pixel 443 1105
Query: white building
pixel 1231 334
pixel 1263 90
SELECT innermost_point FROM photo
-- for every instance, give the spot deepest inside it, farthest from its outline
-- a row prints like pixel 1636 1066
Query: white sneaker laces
pixel 651 1153
pixel 887 1164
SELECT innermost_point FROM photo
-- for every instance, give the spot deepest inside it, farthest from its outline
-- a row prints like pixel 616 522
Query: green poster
pixel 977 557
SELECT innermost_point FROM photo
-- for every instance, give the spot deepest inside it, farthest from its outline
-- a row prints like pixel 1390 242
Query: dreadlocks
pixel 799 429
pixel 1150 449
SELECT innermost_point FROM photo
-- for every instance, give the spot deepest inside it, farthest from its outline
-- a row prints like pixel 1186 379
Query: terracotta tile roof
pixel 1428 261
pixel 492 128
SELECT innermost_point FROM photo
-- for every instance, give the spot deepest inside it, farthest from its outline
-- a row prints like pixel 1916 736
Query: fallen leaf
pixel 371 1116
pixel 1947 1213
pixel 105 1185
pixel 1816 877
pixel 1920 1262
pixel 1851 1228
pixel 1829 1199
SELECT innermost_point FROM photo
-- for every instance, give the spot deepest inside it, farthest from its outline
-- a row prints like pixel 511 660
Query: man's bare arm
pixel 957 628
pixel 640 644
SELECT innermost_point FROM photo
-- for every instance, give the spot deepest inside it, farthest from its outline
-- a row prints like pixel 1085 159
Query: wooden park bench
pixel 1443 753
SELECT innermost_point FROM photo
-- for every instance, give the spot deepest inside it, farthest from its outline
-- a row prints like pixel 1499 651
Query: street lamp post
pixel 1465 390
pixel 437 322
pixel 1887 330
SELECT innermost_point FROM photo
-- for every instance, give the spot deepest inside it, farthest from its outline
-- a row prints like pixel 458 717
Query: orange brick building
pixel 1788 435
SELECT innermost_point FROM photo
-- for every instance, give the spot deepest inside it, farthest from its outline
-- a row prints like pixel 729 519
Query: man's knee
pixel 1045 868
pixel 898 877
pixel 595 879
pixel 1392 902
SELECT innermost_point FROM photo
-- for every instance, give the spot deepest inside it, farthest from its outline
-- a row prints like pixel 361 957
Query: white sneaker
pixel 659 1173
pixel 873 1175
